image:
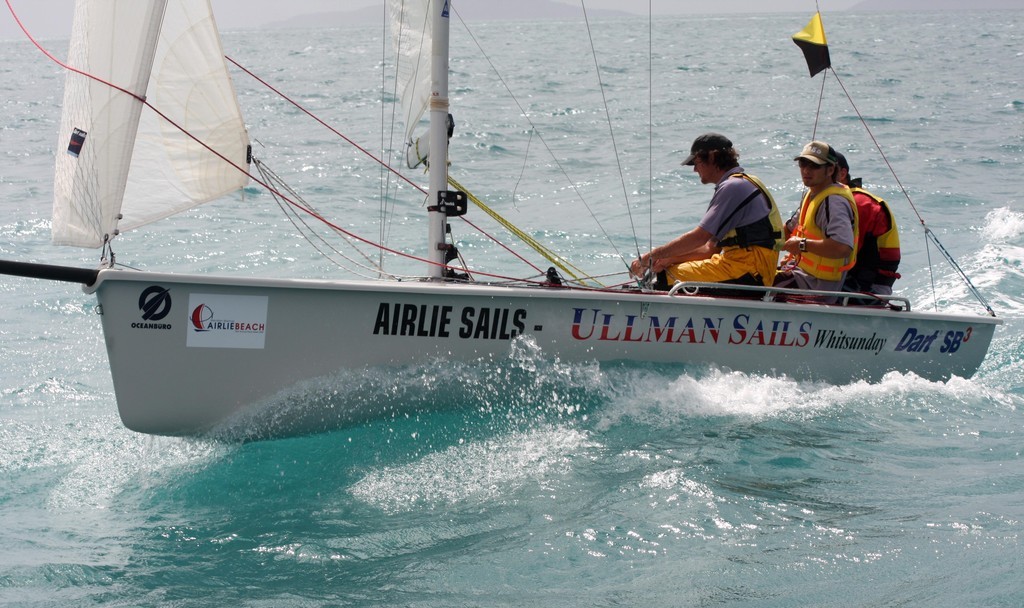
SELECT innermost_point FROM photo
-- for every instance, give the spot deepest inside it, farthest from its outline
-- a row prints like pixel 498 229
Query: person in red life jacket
pixel 738 239
pixel 822 234
pixel 878 253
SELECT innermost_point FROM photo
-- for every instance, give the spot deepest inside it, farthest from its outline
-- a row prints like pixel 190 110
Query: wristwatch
pixel 803 244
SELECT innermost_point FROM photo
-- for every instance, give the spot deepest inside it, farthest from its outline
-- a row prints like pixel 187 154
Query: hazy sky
pixel 52 18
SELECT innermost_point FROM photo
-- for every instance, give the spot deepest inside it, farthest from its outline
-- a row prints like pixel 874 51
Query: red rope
pixel 324 124
pixel 327 126
pixel 310 212
pixel 17 20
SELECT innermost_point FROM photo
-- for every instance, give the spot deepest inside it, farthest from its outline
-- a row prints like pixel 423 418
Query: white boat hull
pixel 188 353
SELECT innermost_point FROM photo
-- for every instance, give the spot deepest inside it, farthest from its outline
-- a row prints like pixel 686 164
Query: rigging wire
pixel 650 125
pixel 257 179
pixel 544 251
pixel 526 115
pixel 387 206
pixel 929 234
pixel 522 170
pixel 266 181
pixel 385 181
pixel 308 233
pixel 611 131
pixel 316 118
pixel 540 248
pixel 817 114
pixel 552 257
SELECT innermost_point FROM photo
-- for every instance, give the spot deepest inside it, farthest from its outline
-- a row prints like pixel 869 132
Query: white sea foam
pixel 473 471
pixel 1003 224
pixel 633 485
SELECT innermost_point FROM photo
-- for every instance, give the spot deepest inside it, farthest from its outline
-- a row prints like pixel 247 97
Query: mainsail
pixel 411 37
pixel 119 164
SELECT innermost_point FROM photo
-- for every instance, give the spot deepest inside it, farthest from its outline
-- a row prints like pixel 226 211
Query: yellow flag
pixel 812 42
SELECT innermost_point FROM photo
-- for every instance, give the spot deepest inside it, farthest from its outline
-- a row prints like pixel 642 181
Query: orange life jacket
pixel 826 269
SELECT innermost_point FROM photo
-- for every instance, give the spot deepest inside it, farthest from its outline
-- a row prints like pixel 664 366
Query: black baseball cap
pixel 841 160
pixel 707 143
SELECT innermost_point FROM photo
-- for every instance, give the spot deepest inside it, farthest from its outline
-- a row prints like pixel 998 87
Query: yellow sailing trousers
pixel 732 263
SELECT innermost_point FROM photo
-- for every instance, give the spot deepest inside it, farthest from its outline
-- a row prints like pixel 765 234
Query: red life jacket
pixel 878 255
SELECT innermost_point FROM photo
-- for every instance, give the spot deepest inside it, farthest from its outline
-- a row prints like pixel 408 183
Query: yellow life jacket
pixel 826 269
pixel 767 232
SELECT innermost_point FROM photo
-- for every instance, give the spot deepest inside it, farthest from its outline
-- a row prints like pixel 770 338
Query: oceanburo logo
pixel 155 303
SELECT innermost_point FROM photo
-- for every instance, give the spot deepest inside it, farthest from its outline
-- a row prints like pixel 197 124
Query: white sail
pixel 411 37
pixel 132 166
pixel 99 122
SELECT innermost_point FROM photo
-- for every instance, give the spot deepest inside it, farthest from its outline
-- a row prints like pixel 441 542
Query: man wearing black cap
pixel 823 232
pixel 878 240
pixel 738 238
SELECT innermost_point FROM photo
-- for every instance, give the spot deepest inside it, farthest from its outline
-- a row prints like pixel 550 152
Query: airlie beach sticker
pixel 221 321
pixel 77 141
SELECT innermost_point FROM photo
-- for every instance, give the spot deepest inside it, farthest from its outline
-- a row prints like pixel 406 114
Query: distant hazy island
pixel 552 9
pixel 935 5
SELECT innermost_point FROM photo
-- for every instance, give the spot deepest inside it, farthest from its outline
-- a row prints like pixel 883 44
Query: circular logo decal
pixel 155 303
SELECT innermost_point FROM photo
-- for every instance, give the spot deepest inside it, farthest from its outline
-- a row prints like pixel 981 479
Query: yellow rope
pixel 563 264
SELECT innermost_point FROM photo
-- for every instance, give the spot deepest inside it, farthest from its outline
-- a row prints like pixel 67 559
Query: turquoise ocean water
pixel 527 481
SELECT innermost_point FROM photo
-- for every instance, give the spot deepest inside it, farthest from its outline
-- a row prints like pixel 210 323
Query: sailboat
pixel 152 127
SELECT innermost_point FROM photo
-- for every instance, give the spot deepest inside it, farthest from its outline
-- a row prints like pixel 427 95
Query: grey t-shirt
pixel 722 215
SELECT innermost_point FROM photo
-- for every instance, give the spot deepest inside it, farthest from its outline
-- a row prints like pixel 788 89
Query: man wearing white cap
pixel 822 242
pixel 737 240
